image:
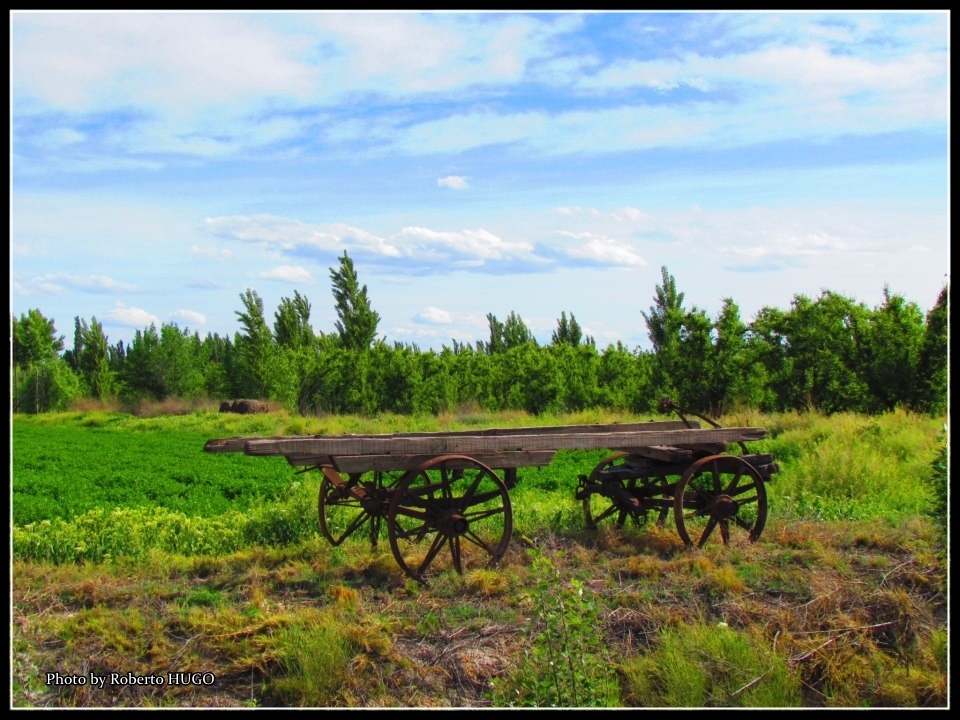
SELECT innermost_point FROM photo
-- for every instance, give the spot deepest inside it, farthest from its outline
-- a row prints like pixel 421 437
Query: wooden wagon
pixel 444 496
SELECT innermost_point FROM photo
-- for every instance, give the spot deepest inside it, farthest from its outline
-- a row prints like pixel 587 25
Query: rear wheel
pixel 355 504
pixel 612 501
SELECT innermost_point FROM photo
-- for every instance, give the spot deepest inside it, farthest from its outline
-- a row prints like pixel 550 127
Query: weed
pixel 314 654
pixel 566 663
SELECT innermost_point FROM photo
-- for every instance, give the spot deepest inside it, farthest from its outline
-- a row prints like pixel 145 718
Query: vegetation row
pixel 830 354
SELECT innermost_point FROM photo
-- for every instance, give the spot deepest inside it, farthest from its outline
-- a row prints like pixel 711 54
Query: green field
pixel 134 552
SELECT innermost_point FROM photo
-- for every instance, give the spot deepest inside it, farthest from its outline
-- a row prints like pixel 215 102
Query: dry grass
pixel 857 611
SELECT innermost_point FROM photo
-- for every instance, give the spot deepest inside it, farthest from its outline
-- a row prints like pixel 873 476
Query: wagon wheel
pixel 720 491
pixel 599 507
pixel 347 506
pixel 450 505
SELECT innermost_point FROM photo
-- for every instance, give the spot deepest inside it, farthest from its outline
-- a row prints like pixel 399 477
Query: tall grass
pixel 852 467
pixel 314 653
pixel 711 665
pixel 89 486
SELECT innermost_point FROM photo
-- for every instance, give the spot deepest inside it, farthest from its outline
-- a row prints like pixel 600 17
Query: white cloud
pixel 190 317
pixel 132 317
pixel 434 316
pixel 365 241
pixel 289 235
pixel 455 182
pixel 601 249
pixel 221 253
pixel 59 137
pixel 57 282
pixel 478 244
pixel 287 273
pixel 810 244
pixel 630 213
pixel 175 61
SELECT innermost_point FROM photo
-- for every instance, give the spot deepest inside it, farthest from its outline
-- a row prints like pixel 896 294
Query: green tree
pixel 48 386
pixel 291 326
pixel 625 379
pixel 733 379
pixel 357 322
pixel 181 362
pixel 578 367
pixel 437 391
pixel 254 350
pixel 513 332
pixel 42 380
pixel 34 339
pixel 931 378
pixel 664 325
pixel 823 354
pixel 89 359
pixel 142 373
pixel 496 344
pixel 767 348
pixel 692 367
pixel 889 344
pixel 568 332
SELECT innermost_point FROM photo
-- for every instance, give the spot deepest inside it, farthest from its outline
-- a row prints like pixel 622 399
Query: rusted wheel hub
pixel 724 507
pixel 453 524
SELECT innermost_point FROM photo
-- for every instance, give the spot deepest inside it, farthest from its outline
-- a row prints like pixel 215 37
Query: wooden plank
pixel 237 444
pixel 386 463
pixel 224 445
pixel 441 444
pixel 664 453
pixel 679 453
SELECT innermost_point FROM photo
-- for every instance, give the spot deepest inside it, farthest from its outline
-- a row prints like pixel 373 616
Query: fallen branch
pixel 749 685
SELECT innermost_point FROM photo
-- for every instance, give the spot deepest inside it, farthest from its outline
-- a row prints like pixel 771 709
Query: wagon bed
pixel 439 494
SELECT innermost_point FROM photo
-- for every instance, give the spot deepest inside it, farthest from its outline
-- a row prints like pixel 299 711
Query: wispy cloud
pixel 601 249
pixel 434 316
pixel 455 182
pixel 61 282
pixel 288 274
pixel 191 318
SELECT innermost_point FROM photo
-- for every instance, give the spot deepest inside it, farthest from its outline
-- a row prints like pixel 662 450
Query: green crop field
pixel 135 549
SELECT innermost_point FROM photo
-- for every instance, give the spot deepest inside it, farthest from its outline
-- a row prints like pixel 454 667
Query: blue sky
pixel 165 162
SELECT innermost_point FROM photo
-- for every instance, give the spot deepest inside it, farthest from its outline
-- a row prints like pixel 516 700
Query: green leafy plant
pixel 566 664
pixel 938 485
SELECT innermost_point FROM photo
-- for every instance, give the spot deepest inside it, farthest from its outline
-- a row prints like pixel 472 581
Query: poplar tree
pixel 357 322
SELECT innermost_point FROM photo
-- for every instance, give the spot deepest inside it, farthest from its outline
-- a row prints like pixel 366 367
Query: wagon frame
pixel 444 505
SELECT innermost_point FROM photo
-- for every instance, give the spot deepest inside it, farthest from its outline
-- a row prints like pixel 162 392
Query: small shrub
pixel 566 662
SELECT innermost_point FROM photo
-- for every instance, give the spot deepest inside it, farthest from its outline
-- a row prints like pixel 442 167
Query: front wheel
pixel 450 512
pixel 720 493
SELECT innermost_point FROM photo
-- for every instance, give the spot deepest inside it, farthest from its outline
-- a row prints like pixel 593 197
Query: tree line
pixel 829 353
